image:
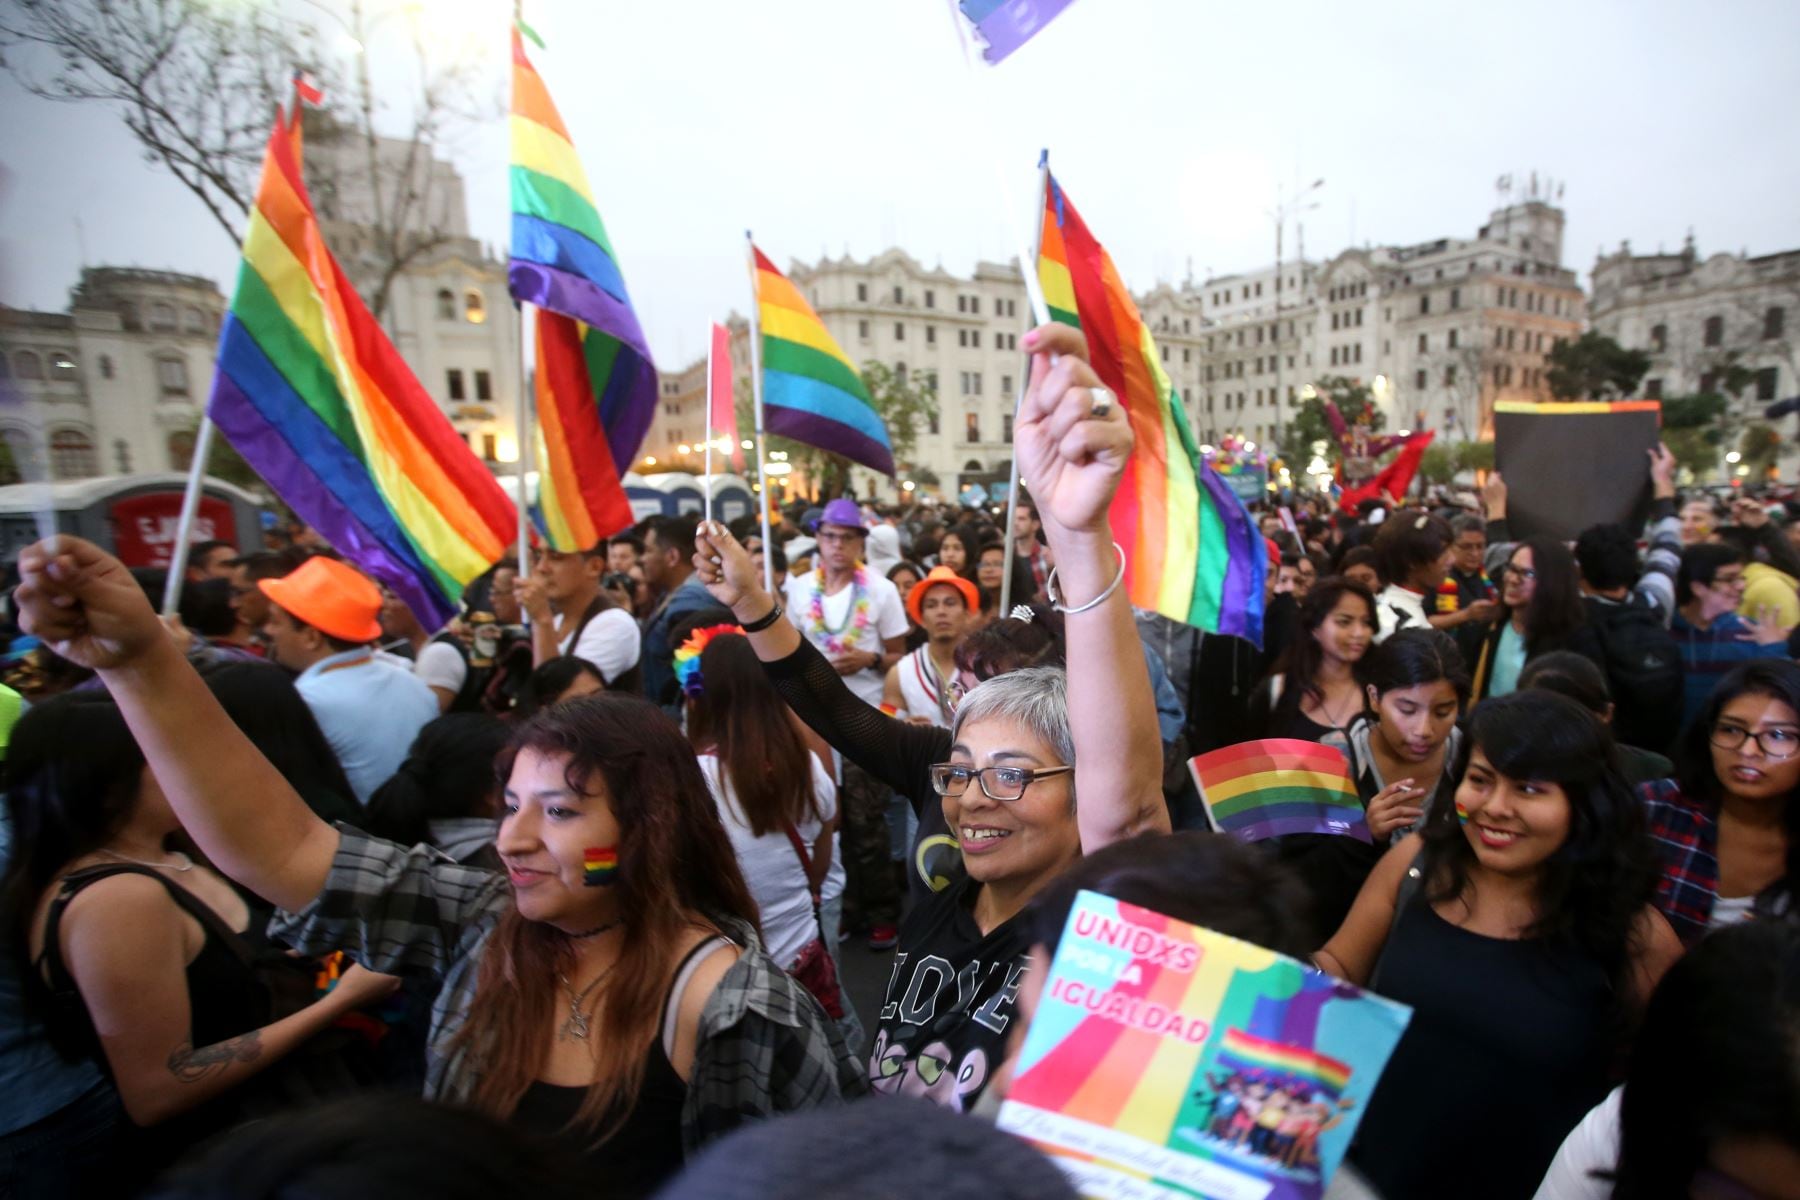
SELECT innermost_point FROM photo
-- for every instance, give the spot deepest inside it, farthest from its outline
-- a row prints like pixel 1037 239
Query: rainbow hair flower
pixel 687 658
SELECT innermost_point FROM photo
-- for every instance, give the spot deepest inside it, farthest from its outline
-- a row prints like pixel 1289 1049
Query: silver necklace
pixel 186 863
pixel 575 1029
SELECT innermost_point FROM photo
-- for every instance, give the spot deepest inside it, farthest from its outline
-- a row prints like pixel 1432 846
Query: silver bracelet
pixel 1097 601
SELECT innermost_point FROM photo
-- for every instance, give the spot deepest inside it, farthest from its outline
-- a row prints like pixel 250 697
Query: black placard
pixel 1571 466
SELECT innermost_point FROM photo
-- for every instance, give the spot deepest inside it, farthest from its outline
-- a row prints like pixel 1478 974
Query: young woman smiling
pixel 1313 694
pixel 1006 776
pixel 1727 827
pixel 1518 926
pixel 615 994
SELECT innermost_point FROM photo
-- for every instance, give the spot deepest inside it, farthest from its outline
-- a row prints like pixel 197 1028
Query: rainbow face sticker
pixel 1462 812
pixel 600 866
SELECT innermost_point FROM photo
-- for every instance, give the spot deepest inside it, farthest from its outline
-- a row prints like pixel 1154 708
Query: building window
pixel 975 306
pixel 899 296
pixel 1186 355
pixel 962 338
pixel 1450 375
pixel 1653 389
pixel 1006 420
pixel 862 293
pixel 1659 338
pixel 106 366
pixel 1424 342
pixel 972 427
pixel 72 455
pixel 172 376
pixel 454 381
pixel 181 449
pixel 490 447
pixel 484 386
pixel 1707 380
pixel 1766 380
pixel 975 338
pixel 27 365
pixel 899 332
pixel 862 330
pixel 17 444
pixel 62 365
pixel 162 318
pixel 1455 297
pixel 1714 331
pixel 474 307
pixel 1006 385
pixel 930 298
pixel 1499 375
pixel 1450 340
pixel 1774 323
pixel 1425 303
pixel 931 421
pixel 931 335
pixel 1419 379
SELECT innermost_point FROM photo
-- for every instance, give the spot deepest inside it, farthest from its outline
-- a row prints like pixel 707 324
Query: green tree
pixel 1309 425
pixel 1692 432
pixel 1594 367
pixel 1438 464
pixel 1758 447
pixel 1475 456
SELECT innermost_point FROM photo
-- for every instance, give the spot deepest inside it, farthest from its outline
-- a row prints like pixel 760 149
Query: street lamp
pixel 1280 214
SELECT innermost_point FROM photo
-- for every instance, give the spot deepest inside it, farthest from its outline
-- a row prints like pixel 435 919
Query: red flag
pixel 306 91
pixel 1393 479
pixel 719 395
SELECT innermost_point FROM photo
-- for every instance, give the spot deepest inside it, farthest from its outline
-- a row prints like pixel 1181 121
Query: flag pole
pixel 184 526
pixel 756 396
pixel 522 432
pixel 1041 311
pixel 707 502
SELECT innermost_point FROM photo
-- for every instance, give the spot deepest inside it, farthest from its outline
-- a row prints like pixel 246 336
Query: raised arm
pixel 1074 454
pixel 1656 586
pixel 254 827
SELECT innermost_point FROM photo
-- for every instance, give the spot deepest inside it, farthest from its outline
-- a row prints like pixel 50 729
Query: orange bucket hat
pixel 330 596
pixel 937 578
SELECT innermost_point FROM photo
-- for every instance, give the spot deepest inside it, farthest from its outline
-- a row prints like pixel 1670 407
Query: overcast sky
pixel 834 125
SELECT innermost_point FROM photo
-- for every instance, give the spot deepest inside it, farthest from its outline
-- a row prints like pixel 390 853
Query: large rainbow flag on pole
pixel 315 397
pixel 596 383
pixel 1192 553
pixel 811 390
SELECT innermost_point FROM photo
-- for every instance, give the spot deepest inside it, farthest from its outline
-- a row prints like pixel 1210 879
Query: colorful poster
pixel 1277 786
pixel 1168 1061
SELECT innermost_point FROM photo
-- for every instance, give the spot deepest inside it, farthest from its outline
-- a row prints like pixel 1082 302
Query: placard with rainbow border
pixel 1166 1060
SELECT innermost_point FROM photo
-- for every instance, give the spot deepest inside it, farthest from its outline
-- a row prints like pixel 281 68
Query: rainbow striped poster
pixel 1167 1061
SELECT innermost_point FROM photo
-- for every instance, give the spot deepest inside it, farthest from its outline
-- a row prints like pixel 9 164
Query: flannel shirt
pixel 1686 838
pixel 764 1047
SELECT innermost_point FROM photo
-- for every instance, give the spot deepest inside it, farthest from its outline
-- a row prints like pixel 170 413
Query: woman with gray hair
pixel 1005 777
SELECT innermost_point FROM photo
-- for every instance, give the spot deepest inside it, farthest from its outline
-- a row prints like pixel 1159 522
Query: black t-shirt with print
pixel 951 1001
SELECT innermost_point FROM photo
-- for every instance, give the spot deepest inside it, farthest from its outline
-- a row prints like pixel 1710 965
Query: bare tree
pixel 197 82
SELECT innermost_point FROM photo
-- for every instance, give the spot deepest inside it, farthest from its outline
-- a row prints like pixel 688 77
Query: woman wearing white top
pixel 775 798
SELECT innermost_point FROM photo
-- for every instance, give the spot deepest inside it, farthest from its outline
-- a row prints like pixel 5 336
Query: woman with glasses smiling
pixel 1540 611
pixel 1727 827
pixel 1002 782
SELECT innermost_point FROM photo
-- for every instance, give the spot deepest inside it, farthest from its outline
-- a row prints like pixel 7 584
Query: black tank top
pixel 645 1151
pixel 1507 1049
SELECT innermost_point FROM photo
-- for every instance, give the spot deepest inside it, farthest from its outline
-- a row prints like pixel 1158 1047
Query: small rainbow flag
pixel 1192 553
pixel 811 390
pixel 315 397
pixel 1279 786
pixel 596 390
pixel 1287 1065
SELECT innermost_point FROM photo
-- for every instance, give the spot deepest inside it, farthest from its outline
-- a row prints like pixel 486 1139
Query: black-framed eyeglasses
pixel 997 783
pixel 1525 573
pixel 1774 743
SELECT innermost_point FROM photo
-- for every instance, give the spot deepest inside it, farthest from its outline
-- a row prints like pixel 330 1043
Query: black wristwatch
pixel 763 622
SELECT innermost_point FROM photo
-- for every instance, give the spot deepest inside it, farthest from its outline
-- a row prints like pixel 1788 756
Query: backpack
pixel 1643 672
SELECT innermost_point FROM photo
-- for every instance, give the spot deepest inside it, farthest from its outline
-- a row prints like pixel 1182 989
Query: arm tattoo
pixel 191 1066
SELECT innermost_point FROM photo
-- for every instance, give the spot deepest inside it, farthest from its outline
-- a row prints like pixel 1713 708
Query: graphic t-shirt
pixel 950 1003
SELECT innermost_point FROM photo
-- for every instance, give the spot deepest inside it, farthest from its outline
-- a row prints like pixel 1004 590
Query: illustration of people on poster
pixel 1167 1061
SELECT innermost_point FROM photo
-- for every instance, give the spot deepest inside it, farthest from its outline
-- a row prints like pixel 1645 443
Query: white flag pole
pixel 523 433
pixel 184 526
pixel 756 396
pixel 707 503
pixel 1041 312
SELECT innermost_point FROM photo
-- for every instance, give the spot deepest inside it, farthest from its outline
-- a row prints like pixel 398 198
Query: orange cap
pixel 937 578
pixel 330 596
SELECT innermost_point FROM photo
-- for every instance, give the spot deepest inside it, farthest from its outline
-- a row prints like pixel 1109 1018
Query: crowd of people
pixel 303 899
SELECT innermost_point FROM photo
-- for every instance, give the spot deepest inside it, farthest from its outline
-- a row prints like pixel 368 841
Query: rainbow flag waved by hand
pixel 601 392
pixel 1279 786
pixel 1192 553
pixel 315 397
pixel 811 390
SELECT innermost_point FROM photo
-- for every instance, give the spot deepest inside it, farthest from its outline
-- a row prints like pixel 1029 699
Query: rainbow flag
pixel 811 390
pixel 1288 1066
pixel 580 499
pixel 314 396
pixel 1192 553
pixel 562 261
pixel 1278 786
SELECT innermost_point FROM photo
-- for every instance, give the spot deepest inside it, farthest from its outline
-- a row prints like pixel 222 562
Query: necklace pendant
pixel 575 1029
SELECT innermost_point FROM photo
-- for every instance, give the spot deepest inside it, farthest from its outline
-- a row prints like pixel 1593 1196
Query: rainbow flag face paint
pixel 599 866
pixel 1462 812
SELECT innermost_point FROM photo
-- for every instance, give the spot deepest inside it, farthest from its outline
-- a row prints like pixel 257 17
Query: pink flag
pixel 718 390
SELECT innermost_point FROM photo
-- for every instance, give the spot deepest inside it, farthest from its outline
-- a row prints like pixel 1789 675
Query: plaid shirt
pixel 764 1044
pixel 1686 838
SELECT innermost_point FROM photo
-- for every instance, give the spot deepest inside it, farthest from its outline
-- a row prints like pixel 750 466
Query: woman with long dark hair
pixel 134 955
pixel 1313 693
pixel 556 680
pixel 615 994
pixel 1540 611
pixel 776 798
pixel 1402 746
pixel 1518 926
pixel 1727 827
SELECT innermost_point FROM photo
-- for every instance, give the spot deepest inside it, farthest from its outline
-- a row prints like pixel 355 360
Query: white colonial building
pixel 1441 330
pixel 1698 319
